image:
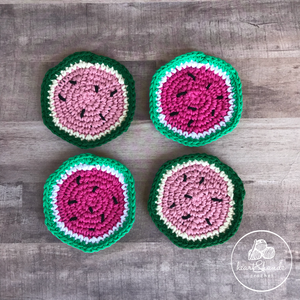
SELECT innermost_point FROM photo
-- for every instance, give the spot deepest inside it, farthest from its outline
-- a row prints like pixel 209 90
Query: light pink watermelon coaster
pixel 88 99
pixel 196 201
pixel 195 99
pixel 89 202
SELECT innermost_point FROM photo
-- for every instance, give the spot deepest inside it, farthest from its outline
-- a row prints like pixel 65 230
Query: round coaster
pixel 195 99
pixel 89 202
pixel 196 201
pixel 88 99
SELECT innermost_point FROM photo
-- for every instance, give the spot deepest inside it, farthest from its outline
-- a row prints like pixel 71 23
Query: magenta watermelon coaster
pixel 195 99
pixel 89 202
pixel 88 99
pixel 196 201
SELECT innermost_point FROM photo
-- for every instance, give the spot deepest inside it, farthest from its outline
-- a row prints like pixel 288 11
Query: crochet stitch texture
pixel 88 99
pixel 196 201
pixel 195 99
pixel 89 202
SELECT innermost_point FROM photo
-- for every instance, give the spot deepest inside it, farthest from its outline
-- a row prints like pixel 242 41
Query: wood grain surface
pixel 261 39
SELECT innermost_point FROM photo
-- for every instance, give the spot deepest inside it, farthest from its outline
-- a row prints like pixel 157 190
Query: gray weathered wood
pixel 259 38
pixel 124 271
pixel 91 1
pixel 151 31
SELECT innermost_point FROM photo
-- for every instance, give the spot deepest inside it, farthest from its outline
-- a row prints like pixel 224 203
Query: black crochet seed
pixel 208 86
pixel 78 179
pixel 181 94
pixel 72 202
pixel 91 210
pixel 82 113
pixel 112 93
pixel 192 108
pixel 184 177
pixel 220 97
pixel 213 112
pixel 115 200
pixel 201 181
pixel 190 123
pixel 73 219
pixel 191 75
pixel 208 222
pixel 96 88
pixel 216 199
pixel 73 82
pixel 186 217
pixel 188 196
pixel 102 218
pixel 95 188
pixel 91 229
pixel 173 205
pixel 102 117
pixel 174 113
pixel 61 97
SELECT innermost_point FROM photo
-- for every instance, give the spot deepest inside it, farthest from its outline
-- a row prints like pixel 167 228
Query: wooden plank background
pixel 259 38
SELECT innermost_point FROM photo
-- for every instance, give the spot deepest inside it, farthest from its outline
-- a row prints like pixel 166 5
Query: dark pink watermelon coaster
pixel 89 202
pixel 197 201
pixel 195 99
pixel 88 99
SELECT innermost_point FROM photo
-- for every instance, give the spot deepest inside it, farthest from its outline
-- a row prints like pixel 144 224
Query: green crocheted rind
pixel 238 197
pixel 198 57
pixel 86 56
pixel 89 159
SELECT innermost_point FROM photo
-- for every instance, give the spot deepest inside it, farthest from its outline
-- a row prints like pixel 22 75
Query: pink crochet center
pixel 190 99
pixel 94 100
pixel 188 200
pixel 86 202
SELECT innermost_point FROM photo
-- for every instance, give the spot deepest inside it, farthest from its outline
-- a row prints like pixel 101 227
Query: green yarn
pixel 91 58
pixel 238 197
pixel 89 159
pixel 198 57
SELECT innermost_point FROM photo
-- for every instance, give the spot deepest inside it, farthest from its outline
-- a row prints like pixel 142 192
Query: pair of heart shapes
pixel 260 249
pixel 195 200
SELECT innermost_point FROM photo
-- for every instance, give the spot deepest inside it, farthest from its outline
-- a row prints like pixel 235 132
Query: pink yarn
pixel 89 101
pixel 194 195
pixel 91 202
pixel 194 99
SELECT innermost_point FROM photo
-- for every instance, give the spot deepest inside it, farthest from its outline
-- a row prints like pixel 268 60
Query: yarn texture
pixel 88 99
pixel 196 201
pixel 195 99
pixel 89 202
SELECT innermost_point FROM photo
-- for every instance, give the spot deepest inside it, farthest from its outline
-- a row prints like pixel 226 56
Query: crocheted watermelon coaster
pixel 89 202
pixel 87 99
pixel 195 99
pixel 196 201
